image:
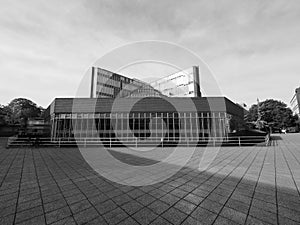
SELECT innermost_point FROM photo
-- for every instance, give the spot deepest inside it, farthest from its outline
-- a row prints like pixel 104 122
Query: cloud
pixel 51 44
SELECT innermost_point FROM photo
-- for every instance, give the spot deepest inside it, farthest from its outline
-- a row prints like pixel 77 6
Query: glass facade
pixel 181 84
pixel 184 83
pixel 170 126
pixel 295 102
pixel 112 85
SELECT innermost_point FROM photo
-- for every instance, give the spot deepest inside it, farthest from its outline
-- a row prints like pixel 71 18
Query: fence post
pixel 85 142
pixel 136 142
pixel 59 142
pixel 8 142
pixel 110 142
pixel 240 141
pixel 267 139
pixel 214 142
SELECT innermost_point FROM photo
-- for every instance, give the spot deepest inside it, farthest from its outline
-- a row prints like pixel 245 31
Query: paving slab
pixel 242 185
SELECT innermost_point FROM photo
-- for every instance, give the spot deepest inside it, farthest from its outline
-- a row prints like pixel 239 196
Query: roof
pixel 148 104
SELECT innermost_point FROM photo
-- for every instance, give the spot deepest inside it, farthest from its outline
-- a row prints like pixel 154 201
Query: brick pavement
pixel 243 185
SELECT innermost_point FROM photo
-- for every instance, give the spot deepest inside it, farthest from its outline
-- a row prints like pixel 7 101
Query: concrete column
pixel 196 77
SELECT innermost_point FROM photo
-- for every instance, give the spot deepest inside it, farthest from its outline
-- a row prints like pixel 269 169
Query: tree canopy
pixel 275 113
pixel 18 111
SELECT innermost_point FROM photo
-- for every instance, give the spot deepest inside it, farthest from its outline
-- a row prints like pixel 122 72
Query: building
pixel 151 117
pixel 121 109
pixel 107 84
pixel 295 102
pixel 185 83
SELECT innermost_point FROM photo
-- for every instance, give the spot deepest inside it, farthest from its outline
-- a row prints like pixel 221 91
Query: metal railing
pixel 139 142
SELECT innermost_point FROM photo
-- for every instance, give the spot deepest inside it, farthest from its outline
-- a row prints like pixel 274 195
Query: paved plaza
pixel 243 185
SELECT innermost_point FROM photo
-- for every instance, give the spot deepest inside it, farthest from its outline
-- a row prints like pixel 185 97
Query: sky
pixel 252 47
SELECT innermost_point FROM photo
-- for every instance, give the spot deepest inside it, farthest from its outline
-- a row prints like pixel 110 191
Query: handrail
pixel 134 141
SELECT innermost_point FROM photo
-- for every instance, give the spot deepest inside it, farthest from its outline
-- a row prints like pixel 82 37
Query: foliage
pixel 18 111
pixel 4 114
pixel 273 112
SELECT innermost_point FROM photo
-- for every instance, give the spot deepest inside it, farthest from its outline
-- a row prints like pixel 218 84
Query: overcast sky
pixel 253 47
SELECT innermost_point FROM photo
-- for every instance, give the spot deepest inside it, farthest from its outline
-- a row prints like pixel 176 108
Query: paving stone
pixel 233 215
pixel 132 207
pixel 158 206
pixel 194 199
pixel 115 216
pixel 28 214
pixel 51 198
pixel 5 204
pixel 145 199
pixel 200 192
pixel 160 221
pixel 86 215
pixel 179 193
pixel 135 193
pixel 58 214
pixel 287 203
pixel 128 221
pixel 7 210
pixel 224 221
pixel 287 221
pixel 203 215
pixel 29 191
pixel 54 205
pixel 237 205
pixel 8 197
pixel 29 197
pixel 185 206
pixel 186 187
pixel 79 206
pixel 29 204
pixel 217 198
pixel 289 213
pixel 241 198
pixel 9 191
pixel 7 219
pixel 174 216
pixel 97 221
pixel 264 205
pixel 169 199
pixel 114 193
pixel 211 206
pixel 263 215
pixel 144 216
pixel 254 221
pixel 265 197
pixel 75 198
pixel 167 188
pixel 98 199
pixel 66 221
pixel 35 220
pixel 121 199
pixel 73 192
pixel 157 193
pixel 106 206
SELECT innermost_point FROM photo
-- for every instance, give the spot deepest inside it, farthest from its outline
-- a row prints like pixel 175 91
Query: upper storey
pixel 107 84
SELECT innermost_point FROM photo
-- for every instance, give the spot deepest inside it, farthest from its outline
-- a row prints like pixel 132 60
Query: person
pixel 284 130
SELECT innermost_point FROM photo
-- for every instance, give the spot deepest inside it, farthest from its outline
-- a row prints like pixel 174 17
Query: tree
pixel 273 112
pixel 5 114
pixel 21 109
